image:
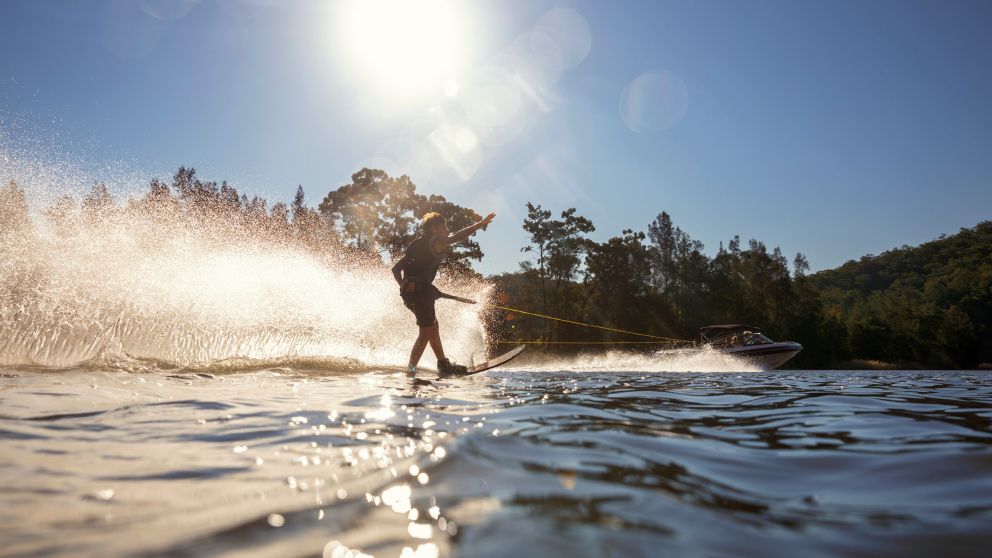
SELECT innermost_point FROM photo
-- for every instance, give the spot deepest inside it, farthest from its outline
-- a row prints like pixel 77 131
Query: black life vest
pixel 421 261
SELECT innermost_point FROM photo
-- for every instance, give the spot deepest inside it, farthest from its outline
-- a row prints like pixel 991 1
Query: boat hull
pixel 768 356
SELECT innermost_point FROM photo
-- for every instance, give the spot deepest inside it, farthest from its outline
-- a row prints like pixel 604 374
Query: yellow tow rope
pixel 665 339
pixel 590 342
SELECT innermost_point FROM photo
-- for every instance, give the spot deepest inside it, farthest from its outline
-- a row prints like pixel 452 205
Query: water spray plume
pixel 183 284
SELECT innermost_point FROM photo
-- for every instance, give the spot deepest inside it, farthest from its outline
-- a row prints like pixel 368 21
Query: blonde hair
pixel 430 220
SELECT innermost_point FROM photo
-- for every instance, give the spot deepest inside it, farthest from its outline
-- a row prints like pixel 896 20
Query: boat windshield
pixel 757 339
pixel 740 339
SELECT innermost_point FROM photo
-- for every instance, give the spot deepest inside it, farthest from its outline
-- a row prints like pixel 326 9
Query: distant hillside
pixel 930 304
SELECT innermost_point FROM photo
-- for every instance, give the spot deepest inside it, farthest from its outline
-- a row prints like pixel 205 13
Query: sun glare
pixel 404 48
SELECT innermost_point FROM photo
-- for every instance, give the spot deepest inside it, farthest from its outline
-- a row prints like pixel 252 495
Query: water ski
pixel 492 363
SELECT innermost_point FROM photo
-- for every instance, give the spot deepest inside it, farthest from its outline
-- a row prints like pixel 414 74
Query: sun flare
pixel 404 48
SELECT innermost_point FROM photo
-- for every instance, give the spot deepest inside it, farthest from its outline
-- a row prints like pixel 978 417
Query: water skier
pixel 415 273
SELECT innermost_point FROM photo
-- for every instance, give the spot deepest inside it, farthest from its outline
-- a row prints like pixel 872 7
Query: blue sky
pixel 835 128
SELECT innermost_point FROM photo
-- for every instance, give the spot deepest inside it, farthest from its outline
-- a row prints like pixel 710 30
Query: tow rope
pixel 583 324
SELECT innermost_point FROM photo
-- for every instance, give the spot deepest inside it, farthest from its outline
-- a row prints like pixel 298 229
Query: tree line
pixel 928 306
pixel 658 282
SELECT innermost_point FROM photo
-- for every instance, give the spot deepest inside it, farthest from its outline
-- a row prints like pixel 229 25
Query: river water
pixel 519 461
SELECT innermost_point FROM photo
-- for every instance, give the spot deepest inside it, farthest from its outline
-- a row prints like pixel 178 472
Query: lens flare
pixel 654 101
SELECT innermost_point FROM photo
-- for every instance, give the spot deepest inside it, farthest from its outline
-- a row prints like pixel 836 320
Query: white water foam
pixel 704 359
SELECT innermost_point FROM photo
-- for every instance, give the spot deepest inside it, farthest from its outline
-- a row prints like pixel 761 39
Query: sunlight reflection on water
pixel 292 462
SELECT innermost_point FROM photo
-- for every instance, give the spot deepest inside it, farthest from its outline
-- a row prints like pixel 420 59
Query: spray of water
pixel 703 359
pixel 148 283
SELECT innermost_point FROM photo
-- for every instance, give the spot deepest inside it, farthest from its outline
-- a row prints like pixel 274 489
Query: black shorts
pixel 421 303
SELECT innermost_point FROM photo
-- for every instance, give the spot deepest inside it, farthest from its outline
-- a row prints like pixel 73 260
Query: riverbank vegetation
pixel 929 305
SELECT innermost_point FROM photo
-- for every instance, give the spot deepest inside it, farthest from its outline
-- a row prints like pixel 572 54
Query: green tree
pixel 380 215
pixel 661 233
pixel 679 270
pixel 559 246
pixel 375 212
pixel 621 278
pixel 538 224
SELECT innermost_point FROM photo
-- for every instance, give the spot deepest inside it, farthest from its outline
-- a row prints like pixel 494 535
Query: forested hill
pixel 930 304
pixel 949 258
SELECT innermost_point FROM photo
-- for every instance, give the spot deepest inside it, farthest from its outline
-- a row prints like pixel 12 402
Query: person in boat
pixel 415 273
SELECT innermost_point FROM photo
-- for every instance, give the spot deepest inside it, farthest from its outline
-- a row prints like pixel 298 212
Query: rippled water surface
pixel 291 462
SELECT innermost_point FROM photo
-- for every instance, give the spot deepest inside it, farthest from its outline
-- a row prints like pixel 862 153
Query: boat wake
pixel 703 359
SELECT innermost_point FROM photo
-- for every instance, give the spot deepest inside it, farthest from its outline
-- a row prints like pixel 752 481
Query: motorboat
pixel 747 342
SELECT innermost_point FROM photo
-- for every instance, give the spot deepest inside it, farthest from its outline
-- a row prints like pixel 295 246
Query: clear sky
pixel 835 128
